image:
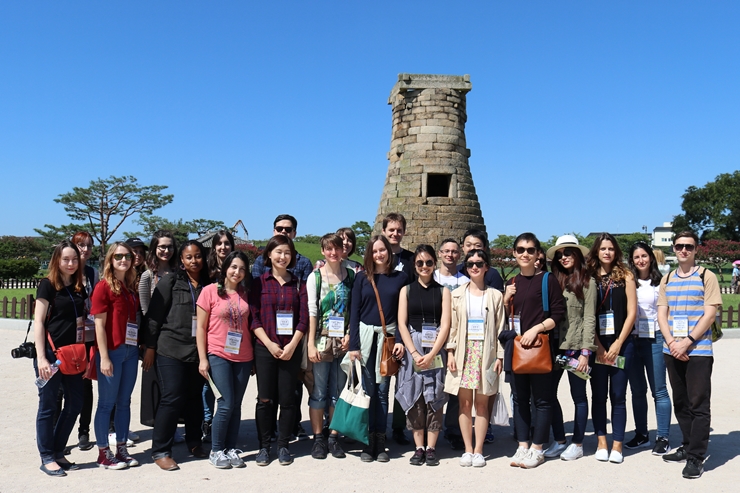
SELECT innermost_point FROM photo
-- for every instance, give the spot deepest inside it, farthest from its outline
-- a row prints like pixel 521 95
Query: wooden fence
pixel 17 307
pixel 19 283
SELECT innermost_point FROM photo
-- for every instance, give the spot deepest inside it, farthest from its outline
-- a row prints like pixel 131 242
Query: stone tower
pixel 429 179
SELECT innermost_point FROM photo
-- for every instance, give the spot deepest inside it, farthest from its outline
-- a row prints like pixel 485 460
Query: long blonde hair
pixel 108 272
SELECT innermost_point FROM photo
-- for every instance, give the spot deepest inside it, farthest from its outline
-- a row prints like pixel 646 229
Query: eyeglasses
pixel 84 246
pixel 165 248
pixel 530 250
pixel 422 263
pixel 684 246
pixel 121 256
pixel 287 229
pixel 479 264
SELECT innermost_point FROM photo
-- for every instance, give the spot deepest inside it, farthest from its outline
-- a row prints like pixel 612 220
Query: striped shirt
pixel 688 296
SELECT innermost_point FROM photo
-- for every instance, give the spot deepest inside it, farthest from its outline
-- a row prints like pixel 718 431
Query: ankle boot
pixel 368 451
pixel 381 455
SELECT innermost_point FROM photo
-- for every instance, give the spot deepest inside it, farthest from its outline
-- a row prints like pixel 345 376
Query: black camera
pixel 25 350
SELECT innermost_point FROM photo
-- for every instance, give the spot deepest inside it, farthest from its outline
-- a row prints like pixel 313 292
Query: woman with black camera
pixel 58 320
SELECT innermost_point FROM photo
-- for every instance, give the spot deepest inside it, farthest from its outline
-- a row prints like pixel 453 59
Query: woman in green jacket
pixel 576 334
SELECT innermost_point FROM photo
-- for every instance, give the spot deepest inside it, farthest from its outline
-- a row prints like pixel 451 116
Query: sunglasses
pixel 287 229
pixel 422 263
pixel 530 250
pixel 479 264
pixel 684 246
pixel 121 256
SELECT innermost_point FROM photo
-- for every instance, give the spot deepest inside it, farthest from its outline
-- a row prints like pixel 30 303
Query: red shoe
pixel 107 460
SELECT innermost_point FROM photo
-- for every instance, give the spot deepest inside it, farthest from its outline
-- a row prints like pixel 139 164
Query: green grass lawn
pixel 16 293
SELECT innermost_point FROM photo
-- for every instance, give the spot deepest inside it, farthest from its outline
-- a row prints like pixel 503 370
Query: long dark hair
pixel 369 263
pixel 246 282
pixel 576 280
pixel 203 278
pixel 213 267
pixel 152 261
pixel 618 271
pixel 654 275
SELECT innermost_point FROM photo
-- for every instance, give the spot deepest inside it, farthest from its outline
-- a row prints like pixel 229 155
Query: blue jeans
pixel 649 357
pixel 612 382
pixel 209 402
pixel 51 437
pixel 231 379
pixel 378 392
pixel 116 391
pixel 580 400
pixel 328 381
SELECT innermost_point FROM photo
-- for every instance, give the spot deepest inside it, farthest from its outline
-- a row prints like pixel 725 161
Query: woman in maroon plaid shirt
pixel 279 306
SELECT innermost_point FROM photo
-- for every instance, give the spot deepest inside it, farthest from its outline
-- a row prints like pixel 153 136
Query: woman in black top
pixel 59 316
pixel 616 311
pixel 172 326
pixel 424 309
pixel 529 319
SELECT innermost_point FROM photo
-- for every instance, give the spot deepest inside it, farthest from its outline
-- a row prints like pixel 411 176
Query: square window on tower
pixel 438 185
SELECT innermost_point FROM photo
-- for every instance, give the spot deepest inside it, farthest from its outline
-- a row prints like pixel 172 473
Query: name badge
pixel 284 323
pixel 436 364
pixel 132 334
pixel 476 329
pixel 194 326
pixel 336 326
pixel 80 330
pixel 90 328
pixel 428 336
pixel 646 328
pixel 680 326
pixel 606 323
pixel 233 342
pixel 515 324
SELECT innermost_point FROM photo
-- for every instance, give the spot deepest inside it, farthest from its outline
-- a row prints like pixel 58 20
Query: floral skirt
pixel 471 374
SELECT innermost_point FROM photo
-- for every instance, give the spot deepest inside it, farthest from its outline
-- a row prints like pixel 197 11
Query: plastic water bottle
pixel 40 382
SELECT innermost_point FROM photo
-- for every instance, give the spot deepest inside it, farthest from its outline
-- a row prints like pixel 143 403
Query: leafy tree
pixel 717 253
pixel 713 210
pixel 503 260
pixel 23 268
pixel 363 232
pixel 180 229
pixel 505 242
pixel 309 239
pixel 16 247
pixel 105 205
pixel 626 241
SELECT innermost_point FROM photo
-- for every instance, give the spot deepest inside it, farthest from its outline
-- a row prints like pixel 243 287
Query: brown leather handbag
pixel 388 364
pixel 535 359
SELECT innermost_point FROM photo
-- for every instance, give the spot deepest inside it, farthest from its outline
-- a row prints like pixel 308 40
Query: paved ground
pixel 640 471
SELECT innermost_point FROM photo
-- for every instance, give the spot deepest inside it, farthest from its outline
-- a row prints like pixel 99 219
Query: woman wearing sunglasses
pixel 576 335
pixel 616 311
pixel 115 307
pixel 172 326
pixel 474 360
pixel 528 318
pixel 648 355
pixel 368 324
pixel 424 324
pixel 160 261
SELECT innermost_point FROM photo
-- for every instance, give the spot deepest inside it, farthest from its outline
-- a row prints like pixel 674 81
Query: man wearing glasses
pixel 287 225
pixel 687 304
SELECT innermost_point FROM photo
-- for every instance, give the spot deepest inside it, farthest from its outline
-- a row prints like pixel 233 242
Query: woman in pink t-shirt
pixel 225 352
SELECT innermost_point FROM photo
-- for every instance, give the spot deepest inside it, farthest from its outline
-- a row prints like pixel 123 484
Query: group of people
pixel 205 321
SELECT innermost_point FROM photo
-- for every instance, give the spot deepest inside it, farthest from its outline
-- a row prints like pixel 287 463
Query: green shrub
pixel 18 268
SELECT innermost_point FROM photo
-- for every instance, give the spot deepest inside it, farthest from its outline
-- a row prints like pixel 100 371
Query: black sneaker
pixel 431 458
pixel 456 442
pixel 84 443
pixel 319 450
pixel 263 457
pixel 638 441
pixel 418 458
pixel 694 468
pixel 678 455
pixel 205 429
pixel 400 437
pixel 284 457
pixel 335 449
pixel 661 446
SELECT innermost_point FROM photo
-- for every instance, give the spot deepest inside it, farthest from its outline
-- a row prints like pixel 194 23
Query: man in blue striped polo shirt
pixel 687 305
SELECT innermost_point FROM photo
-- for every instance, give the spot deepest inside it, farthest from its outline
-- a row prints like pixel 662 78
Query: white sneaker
pixel 602 455
pixel 616 457
pixel 533 459
pixel 573 452
pixel 554 450
pixel 112 442
pixel 466 460
pixel 479 460
pixel 516 460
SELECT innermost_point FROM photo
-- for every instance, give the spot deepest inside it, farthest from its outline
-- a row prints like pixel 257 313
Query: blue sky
pixel 584 116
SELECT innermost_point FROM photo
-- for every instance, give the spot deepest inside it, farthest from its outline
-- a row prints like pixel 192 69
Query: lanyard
pixel 434 307
pixel 603 296
pixel 482 303
pixel 192 295
pixel 74 305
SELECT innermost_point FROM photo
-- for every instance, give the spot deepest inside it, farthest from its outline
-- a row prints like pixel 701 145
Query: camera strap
pixel 30 322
